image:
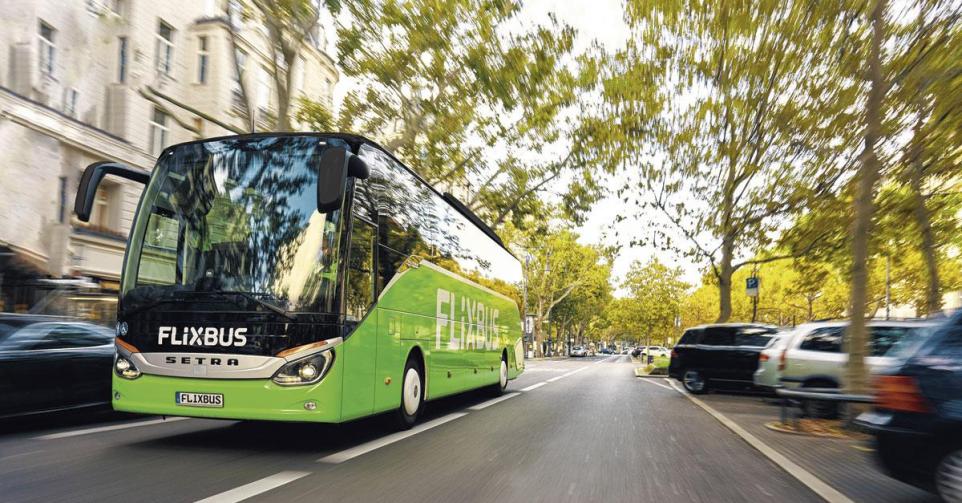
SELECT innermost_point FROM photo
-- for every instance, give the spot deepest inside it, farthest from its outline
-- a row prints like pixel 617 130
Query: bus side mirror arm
pixel 91 178
pixel 335 167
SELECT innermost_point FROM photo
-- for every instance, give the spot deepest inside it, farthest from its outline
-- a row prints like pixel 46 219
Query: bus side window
pixel 360 273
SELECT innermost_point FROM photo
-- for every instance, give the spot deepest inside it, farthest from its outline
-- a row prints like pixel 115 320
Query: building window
pixel 158 132
pixel 263 88
pixel 202 59
pixel 48 49
pixel 237 97
pixel 164 53
pixel 70 102
pixel 122 59
pixel 118 7
pixel 62 207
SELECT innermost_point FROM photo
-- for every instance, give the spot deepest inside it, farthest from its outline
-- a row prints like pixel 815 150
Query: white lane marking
pixel 827 492
pixel 652 381
pixel 493 401
pixel 553 379
pixel 534 386
pixel 254 488
pixel 88 431
pixel 353 452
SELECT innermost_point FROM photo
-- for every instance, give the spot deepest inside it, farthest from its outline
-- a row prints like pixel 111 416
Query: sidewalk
pixel 846 465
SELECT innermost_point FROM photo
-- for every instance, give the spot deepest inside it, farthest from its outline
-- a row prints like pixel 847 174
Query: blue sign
pixel 751 286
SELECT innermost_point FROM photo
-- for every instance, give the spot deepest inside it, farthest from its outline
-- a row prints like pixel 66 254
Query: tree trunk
pixel 725 280
pixel 933 294
pixel 856 375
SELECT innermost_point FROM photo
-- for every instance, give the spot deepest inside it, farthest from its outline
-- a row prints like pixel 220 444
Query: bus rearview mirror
pixel 93 174
pixel 335 166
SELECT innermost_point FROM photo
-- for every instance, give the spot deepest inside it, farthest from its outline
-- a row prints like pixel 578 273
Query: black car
pixel 718 354
pixel 917 417
pixel 51 363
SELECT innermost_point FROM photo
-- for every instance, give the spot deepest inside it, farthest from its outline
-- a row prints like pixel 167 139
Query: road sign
pixel 751 286
pixel 528 325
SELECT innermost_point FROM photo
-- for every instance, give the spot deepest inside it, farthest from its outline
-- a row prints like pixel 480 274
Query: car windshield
pixel 236 215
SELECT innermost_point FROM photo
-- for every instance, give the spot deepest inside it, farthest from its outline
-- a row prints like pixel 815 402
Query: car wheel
pixel 820 409
pixel 948 477
pixel 694 382
pixel 412 394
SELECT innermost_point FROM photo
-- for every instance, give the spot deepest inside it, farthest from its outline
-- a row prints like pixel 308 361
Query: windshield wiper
pixel 273 307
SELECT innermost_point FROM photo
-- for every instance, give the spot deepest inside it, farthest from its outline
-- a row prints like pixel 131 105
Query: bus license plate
pixel 199 399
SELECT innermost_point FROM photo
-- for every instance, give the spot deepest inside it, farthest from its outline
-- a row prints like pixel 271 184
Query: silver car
pixel 768 374
pixel 814 356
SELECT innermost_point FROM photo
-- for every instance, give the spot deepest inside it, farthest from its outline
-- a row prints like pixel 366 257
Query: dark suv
pixel 716 354
pixel 917 418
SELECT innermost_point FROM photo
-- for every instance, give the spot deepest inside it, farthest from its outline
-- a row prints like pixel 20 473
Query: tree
pixel 863 207
pixel 445 84
pixel 732 111
pixel 927 101
pixel 559 265
pixel 656 293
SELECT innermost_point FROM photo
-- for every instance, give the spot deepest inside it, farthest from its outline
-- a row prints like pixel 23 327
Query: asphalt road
pixel 573 430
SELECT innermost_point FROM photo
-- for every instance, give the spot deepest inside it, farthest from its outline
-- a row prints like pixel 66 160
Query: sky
pixel 603 21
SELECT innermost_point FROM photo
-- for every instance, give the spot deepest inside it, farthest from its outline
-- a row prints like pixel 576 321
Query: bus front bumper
pixel 243 399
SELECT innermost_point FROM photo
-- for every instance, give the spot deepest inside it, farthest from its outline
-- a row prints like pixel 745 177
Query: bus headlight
pixel 125 368
pixel 308 370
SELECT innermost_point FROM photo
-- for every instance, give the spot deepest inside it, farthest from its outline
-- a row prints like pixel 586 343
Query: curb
pixel 819 487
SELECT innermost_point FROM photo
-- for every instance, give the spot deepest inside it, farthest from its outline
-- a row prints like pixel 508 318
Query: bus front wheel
pixel 412 394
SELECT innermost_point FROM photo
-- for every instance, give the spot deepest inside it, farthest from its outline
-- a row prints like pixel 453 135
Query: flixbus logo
pixel 479 323
pixel 202 336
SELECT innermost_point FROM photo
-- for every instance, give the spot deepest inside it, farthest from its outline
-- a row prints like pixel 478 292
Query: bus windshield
pixel 237 216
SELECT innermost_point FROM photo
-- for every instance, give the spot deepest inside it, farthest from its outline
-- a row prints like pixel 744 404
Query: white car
pixel 657 351
pixel 769 361
pixel 579 352
pixel 814 355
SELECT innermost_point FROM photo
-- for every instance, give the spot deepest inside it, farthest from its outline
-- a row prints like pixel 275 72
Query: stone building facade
pixel 73 74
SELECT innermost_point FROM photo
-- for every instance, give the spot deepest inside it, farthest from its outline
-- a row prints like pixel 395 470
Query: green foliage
pixel 654 301
pixel 726 116
pixel 442 84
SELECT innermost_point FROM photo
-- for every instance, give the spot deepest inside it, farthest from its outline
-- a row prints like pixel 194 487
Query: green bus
pixel 304 277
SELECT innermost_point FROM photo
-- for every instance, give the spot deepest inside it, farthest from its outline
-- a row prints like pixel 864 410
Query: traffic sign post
pixel 751 288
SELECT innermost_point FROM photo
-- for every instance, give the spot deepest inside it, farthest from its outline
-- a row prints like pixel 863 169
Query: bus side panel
pixel 390 361
pixel 360 352
pixel 462 327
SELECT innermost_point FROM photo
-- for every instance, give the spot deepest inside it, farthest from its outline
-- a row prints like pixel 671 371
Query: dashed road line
pixel 827 492
pixel 100 429
pixel 652 381
pixel 493 401
pixel 254 488
pixel 353 452
pixel 534 386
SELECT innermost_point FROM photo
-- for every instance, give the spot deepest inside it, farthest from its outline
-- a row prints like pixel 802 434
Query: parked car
pixel 637 351
pixel 606 351
pixel 767 375
pixel 916 420
pixel 52 363
pixel 815 358
pixel 579 352
pixel 718 354
pixel 656 351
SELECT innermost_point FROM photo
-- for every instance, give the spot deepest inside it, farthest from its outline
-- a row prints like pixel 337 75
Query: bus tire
pixel 497 389
pixel 412 394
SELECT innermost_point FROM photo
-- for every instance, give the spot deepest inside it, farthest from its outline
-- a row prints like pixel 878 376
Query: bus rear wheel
pixel 412 394
pixel 498 388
